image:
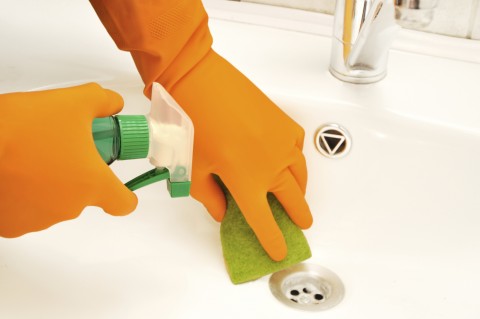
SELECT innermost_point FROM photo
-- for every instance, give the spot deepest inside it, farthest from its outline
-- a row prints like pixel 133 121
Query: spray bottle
pixel 164 136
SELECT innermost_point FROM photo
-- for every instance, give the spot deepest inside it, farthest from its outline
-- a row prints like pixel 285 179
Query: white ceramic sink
pixel 397 219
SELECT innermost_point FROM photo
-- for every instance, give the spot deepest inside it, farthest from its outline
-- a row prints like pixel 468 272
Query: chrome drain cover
pixel 307 287
pixel 333 141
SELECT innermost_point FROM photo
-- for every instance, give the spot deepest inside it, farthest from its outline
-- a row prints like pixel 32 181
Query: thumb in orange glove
pixel 240 135
pixel 50 169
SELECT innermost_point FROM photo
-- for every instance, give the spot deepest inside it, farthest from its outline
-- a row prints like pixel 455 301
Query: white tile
pixel 451 17
pixel 326 6
pixel 475 32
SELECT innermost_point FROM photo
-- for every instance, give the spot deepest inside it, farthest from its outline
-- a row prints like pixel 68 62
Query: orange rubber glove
pixel 50 169
pixel 240 135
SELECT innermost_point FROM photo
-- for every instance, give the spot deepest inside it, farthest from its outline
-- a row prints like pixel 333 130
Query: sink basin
pixel 396 218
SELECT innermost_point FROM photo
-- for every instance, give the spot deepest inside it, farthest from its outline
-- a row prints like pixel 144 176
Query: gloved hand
pixel 50 169
pixel 253 146
pixel 240 135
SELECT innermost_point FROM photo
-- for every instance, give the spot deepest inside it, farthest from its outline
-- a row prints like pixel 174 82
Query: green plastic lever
pixel 150 177
pixel 176 189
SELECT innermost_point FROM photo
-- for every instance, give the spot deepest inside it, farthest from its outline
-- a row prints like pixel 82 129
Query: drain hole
pixel 310 287
pixel 318 297
pixel 332 141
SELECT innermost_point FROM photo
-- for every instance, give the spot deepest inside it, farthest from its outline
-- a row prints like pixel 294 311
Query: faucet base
pixel 358 76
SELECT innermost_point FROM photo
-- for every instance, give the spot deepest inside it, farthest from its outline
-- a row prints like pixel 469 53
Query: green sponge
pixel 244 257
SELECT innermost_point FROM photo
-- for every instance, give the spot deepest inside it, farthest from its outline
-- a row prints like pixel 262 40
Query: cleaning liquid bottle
pixel 164 136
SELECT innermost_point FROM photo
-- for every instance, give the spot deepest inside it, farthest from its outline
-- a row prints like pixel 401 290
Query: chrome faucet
pixel 363 31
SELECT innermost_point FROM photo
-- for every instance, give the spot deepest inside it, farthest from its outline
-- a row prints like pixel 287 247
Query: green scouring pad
pixel 244 257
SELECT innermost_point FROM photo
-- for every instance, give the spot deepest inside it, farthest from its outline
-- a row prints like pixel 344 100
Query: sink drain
pixel 333 141
pixel 307 287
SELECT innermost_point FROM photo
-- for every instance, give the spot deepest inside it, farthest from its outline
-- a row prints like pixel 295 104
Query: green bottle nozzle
pixel 165 136
pixel 121 137
pixel 134 136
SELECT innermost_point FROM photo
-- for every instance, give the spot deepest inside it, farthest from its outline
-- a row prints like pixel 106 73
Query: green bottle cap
pixel 134 136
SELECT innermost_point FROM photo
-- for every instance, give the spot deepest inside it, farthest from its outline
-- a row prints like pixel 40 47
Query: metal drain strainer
pixel 307 287
pixel 333 141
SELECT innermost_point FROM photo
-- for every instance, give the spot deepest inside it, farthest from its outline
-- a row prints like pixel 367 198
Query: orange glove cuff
pixel 166 38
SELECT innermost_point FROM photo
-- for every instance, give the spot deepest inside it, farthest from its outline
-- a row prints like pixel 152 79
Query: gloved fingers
pixel 291 196
pixel 113 106
pixel 206 190
pixel 300 137
pixel 115 198
pixel 255 208
pixel 102 102
pixel 299 170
